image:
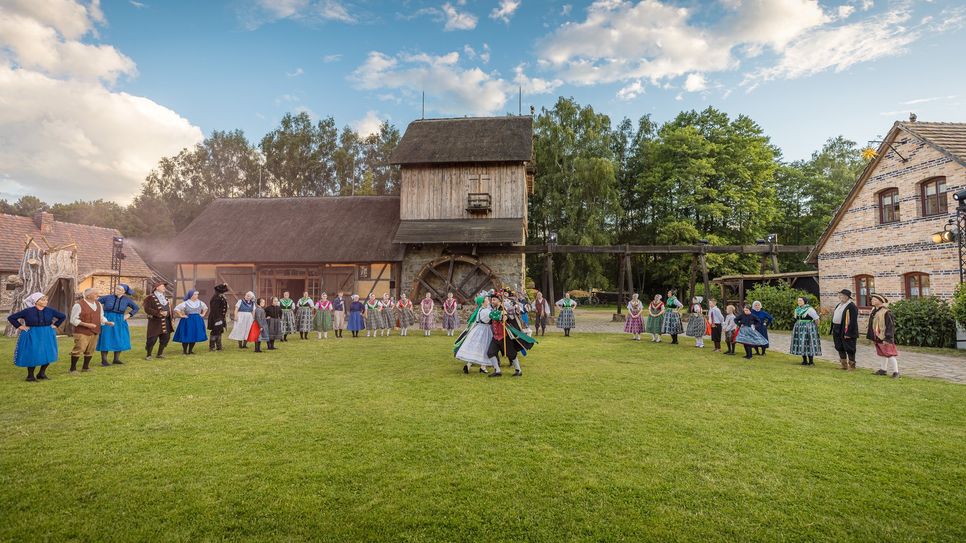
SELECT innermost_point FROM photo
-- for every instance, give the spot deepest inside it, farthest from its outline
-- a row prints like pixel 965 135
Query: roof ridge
pixel 31 220
pixel 279 198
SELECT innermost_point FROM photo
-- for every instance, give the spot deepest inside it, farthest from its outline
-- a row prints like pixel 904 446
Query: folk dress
pixel 766 320
pixel 37 345
pixel 407 317
pixel 288 316
pixel 388 314
pixel 260 325
pixel 323 316
pixel 427 314
pixel 356 321
pixel 451 317
pixel 697 326
pixel 748 333
pixel 566 319
pixel 273 320
pixel 303 314
pixel 373 314
pixel 191 329
pixel 116 338
pixel 655 319
pixel 243 324
pixel 672 319
pixel 635 317
pixel 805 339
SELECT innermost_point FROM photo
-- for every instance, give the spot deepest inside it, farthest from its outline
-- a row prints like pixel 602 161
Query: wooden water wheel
pixel 462 275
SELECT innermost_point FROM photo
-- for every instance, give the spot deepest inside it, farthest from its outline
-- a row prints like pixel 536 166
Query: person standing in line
pixel 388 309
pixel 655 318
pixel 672 319
pixel 373 316
pixel 288 315
pixel 566 319
pixel 882 333
pixel 729 328
pixel 260 326
pixel 716 319
pixel 407 315
pixel 845 329
pixel 356 319
pixel 117 338
pixel 191 326
pixel 766 321
pixel 303 315
pixel 273 320
pixel 634 324
pixel 37 339
pixel 217 317
pixel 87 317
pixel 158 308
pixel 697 325
pixel 243 317
pixel 451 318
pixel 541 314
pixel 323 316
pixel 748 334
pixel 805 340
pixel 427 317
pixel 338 314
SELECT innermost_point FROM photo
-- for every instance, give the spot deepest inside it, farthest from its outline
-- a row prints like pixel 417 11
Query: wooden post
pixel 620 282
pixel 630 275
pixel 774 260
pixel 550 295
pixel 644 274
pixel 704 273
pixel 741 293
pixel 693 277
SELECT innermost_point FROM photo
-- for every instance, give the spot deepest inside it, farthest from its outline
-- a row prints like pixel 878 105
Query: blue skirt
pixel 356 322
pixel 114 338
pixel 36 347
pixel 191 329
pixel 749 336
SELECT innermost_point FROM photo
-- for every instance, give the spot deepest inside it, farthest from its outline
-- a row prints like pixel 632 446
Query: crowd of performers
pixel 503 324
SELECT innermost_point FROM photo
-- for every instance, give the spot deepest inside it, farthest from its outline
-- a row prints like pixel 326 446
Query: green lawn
pixel 603 439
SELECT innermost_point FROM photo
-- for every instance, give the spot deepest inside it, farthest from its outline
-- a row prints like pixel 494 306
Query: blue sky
pixel 99 91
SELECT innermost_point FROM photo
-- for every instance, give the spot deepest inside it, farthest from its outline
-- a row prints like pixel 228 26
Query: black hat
pixel 846 292
pixel 221 289
pixel 881 298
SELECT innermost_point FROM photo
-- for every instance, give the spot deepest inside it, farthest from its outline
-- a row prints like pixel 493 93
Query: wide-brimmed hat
pixel 221 289
pixel 880 297
pixel 846 292
pixel 158 282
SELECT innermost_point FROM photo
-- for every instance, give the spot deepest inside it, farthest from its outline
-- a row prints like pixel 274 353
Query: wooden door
pixel 239 281
pixel 336 279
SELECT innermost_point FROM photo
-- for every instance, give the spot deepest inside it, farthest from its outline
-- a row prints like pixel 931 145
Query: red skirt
pixel 255 332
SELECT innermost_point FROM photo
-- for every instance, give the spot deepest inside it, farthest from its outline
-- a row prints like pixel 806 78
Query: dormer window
pixel 479 202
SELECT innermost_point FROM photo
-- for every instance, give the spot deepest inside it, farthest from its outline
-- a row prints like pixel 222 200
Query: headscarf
pixel 187 295
pixel 127 289
pixel 31 300
pixel 753 304
pixel 249 296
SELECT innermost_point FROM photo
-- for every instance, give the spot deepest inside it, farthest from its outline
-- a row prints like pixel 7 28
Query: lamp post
pixel 117 255
pixel 960 197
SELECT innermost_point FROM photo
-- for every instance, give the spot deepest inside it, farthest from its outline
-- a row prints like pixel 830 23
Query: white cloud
pixel 473 54
pixel 631 91
pixel 534 85
pixel 335 57
pixel 368 124
pixel 925 100
pixel 845 11
pixel 260 12
pixel 64 133
pixel 566 9
pixel 450 88
pixel 505 10
pixel 456 19
pixel 695 83
pixel 139 5
pixel 297 72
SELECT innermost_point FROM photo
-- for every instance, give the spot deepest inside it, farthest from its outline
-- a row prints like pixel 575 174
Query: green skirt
pixel 323 321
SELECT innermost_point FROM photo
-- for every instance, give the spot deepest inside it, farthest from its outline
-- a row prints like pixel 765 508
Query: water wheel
pixel 462 275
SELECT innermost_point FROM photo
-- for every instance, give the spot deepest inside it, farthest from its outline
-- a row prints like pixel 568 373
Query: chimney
pixel 44 221
pixel 912 117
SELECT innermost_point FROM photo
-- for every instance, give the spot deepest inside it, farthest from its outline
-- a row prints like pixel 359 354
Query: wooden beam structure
pixel 765 250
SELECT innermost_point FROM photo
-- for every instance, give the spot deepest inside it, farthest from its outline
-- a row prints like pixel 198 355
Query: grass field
pixel 603 439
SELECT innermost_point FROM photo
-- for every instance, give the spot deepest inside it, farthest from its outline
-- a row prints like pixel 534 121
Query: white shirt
pixel 715 316
pixel 161 298
pixel 839 312
pixel 76 311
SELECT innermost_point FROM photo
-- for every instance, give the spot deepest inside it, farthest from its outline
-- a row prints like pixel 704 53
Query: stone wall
pixel 861 245
pixel 510 268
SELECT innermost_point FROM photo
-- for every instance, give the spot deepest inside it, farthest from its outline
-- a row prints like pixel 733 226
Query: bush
pixel 959 305
pixel 924 322
pixel 780 301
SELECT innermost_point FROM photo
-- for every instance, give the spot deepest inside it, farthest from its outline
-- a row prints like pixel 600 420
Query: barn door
pixel 336 279
pixel 239 281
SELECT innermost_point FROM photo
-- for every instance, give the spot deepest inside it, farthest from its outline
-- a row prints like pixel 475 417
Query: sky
pixel 93 94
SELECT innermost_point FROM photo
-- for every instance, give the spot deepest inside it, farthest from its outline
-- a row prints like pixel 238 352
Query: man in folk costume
pixel 845 329
pixel 217 317
pixel 473 343
pixel 87 317
pixel 507 340
pixel 158 308
pixel 882 333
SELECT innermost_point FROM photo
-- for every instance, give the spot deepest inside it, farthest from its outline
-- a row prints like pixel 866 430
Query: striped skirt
pixel 407 318
pixel 388 318
pixel 288 322
pixel 671 323
pixel 749 336
pixel 805 340
pixel 373 320
pixel 566 319
pixel 451 322
pixel 634 325
pixel 696 326
pixel 654 324
pixel 322 321
pixel 303 319
pixel 427 322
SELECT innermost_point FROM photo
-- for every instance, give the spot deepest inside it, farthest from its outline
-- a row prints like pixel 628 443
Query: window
pixel 917 285
pixel 864 287
pixel 889 206
pixel 933 194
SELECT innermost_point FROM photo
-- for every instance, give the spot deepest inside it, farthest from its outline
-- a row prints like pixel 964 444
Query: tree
pixel 300 156
pixel 28 206
pixel 348 162
pixel 377 148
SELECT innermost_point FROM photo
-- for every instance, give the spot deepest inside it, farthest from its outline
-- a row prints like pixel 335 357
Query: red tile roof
pixel 94 246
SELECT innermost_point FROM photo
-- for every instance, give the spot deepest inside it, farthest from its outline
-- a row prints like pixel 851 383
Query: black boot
pixel 117 358
pixel 211 344
pixel 87 364
pixel 191 348
pixel 258 346
pixel 219 342
pixel 674 339
pixel 184 348
pixel 804 360
pixel 104 358
pixel 30 374
pixel 42 374
pixel 73 363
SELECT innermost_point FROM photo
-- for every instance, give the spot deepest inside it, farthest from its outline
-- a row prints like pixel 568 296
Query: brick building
pixel 880 239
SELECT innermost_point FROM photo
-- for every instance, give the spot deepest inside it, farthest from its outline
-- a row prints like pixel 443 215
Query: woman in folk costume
pixel 259 330
pixel 805 340
pixel 540 309
pixel 117 338
pixel 288 315
pixel 749 334
pixel 451 317
pixel 303 315
pixel 387 308
pixel 373 316
pixel 566 319
pixel 273 319
pixel 427 314
pixel 473 343
pixel 191 326
pixel 37 340
pixel 634 324
pixel 882 334
pixel 507 340
pixel 217 317
pixel 672 319
pixel 159 309
pixel 323 316
pixel 766 320
pixel 356 319
pixel 697 325
pixel 243 317
pixel 407 315
pixel 655 318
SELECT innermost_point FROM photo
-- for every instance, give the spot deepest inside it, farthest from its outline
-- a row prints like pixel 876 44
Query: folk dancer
pixel 805 340
pixel 373 316
pixel 451 318
pixel 566 319
pixel 634 324
pixel 655 318
pixel 715 319
pixel 388 310
pixel 407 316
pixel 766 321
pixel 259 331
pixel 697 325
pixel 87 317
pixel 303 315
pixel 540 308
pixel 845 329
pixel 158 308
pixel 117 338
pixel 748 331
pixel 37 339
pixel 882 333
pixel 217 317
pixel 473 343
pixel 427 317
pixel 672 319
pixel 191 326
pixel 730 329
pixel 243 317
pixel 356 319
pixel 507 340
pixel 338 313
pixel 273 319
pixel 323 316
pixel 288 315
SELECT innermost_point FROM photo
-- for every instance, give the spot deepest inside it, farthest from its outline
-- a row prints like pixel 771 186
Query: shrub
pixel 924 322
pixel 780 301
pixel 959 305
